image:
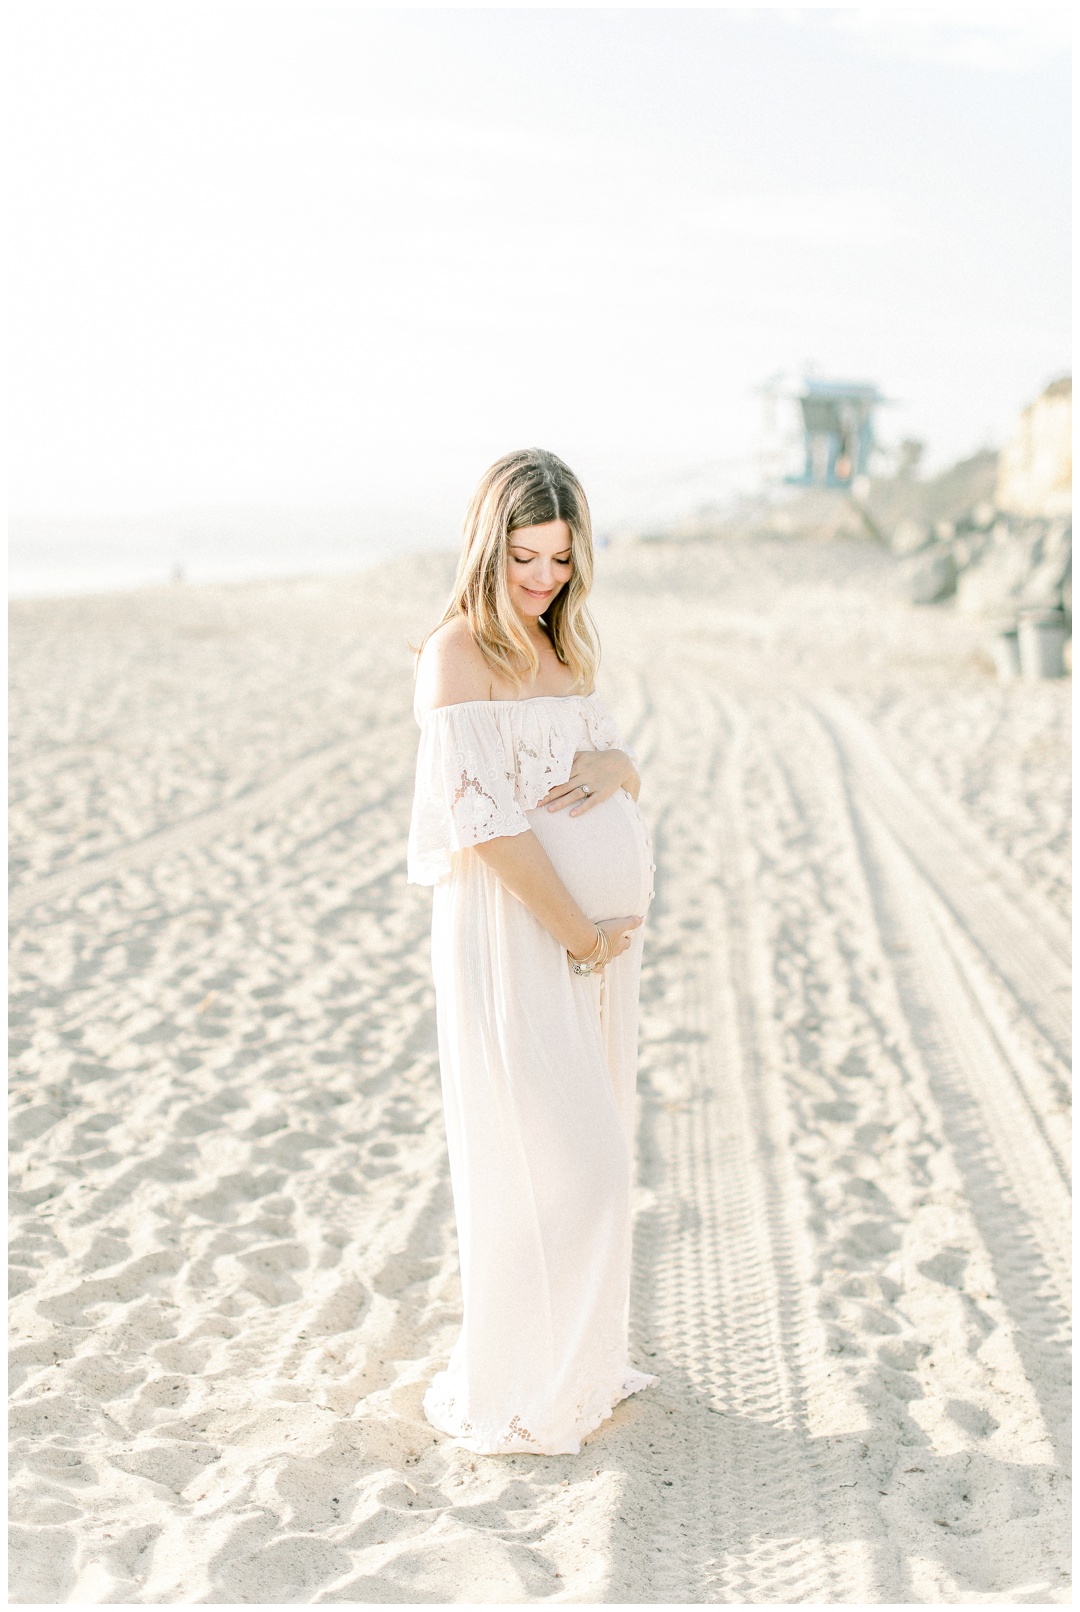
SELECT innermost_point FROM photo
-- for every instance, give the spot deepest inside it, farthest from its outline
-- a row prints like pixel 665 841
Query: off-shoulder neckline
pixel 527 699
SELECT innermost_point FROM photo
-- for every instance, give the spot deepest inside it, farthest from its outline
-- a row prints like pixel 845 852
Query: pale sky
pixel 339 256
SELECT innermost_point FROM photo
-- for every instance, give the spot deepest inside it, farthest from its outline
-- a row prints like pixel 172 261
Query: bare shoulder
pixel 451 668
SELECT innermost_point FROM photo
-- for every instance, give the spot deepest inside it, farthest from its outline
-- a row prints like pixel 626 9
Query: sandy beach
pixel 234 1252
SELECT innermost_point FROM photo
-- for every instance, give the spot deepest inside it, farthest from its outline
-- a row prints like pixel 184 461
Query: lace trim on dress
pixel 482 765
pixel 546 748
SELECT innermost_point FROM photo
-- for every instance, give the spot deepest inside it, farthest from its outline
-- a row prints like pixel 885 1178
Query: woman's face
pixel 538 564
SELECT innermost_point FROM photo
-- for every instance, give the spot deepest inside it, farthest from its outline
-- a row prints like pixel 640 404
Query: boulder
pixel 1051 564
pixel 969 549
pixel 930 577
pixel 991 585
pixel 910 536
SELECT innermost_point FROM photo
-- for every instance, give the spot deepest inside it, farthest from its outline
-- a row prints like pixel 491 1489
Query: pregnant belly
pixel 602 857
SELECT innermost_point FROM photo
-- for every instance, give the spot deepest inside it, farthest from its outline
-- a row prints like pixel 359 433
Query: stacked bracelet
pixel 597 958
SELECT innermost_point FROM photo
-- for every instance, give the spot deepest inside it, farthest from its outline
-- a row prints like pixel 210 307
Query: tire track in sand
pixel 256 805
pixel 1024 941
pixel 1008 1158
pixel 770 913
pixel 722 1274
pixel 956 1148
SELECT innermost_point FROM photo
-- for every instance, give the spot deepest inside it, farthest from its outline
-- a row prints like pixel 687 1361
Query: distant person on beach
pixel 526 822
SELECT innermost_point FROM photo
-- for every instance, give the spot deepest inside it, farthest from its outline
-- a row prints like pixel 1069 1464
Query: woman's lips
pixel 534 594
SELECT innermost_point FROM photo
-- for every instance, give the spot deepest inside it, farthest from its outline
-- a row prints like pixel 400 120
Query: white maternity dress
pixel 538 1073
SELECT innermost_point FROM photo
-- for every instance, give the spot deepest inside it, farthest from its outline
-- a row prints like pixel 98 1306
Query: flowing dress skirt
pixel 538 1072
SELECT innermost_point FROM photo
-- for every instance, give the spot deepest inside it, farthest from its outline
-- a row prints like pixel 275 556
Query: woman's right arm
pixel 452 670
pixel 522 864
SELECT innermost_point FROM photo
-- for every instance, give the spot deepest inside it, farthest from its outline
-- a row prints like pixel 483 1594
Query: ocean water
pixel 48 557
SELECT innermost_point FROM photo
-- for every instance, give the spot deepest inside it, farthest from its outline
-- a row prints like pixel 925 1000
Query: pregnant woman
pixel 526 822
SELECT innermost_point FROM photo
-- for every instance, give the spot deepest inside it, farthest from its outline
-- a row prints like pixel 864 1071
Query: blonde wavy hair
pixel 526 488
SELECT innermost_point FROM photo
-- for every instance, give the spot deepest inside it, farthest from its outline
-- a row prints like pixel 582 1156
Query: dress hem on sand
pixel 441 1412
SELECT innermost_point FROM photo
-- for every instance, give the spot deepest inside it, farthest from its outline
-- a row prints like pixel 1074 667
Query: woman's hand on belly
pixel 600 773
pixel 620 932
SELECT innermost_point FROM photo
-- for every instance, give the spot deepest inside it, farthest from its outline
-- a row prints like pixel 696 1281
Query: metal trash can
pixel 1042 643
pixel 1006 653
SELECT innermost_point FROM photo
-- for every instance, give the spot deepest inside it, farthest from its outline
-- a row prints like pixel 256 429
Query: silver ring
pixel 585 790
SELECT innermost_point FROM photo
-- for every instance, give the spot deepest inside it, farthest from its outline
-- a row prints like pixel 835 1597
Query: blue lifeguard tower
pixel 838 432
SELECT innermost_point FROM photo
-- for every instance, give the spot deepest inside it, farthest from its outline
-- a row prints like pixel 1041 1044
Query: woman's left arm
pixel 601 772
